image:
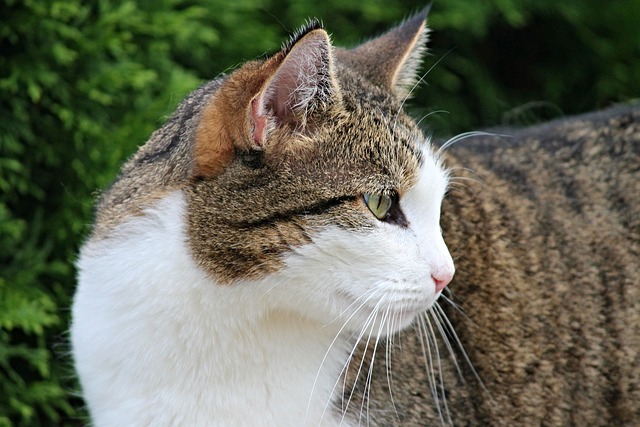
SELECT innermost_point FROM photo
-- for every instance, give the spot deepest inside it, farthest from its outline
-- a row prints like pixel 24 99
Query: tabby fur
pixel 544 228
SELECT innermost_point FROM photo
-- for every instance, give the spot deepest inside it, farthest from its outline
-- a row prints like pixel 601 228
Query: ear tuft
pixel 310 25
pixel 406 74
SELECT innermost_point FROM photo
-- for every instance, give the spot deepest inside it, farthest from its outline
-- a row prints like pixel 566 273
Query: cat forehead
pixel 349 162
pixel 371 134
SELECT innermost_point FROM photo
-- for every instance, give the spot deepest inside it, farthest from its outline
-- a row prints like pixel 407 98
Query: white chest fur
pixel 157 343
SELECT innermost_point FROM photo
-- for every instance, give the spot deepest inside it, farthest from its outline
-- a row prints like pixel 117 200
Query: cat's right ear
pixel 392 60
pixel 282 95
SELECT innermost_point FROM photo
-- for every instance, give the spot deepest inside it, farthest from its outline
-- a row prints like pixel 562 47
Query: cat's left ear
pixel 392 60
pixel 302 84
pixel 265 102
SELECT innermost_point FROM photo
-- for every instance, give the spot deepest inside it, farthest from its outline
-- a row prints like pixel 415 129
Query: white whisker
pixel 429 365
pixel 348 361
pixel 461 182
pixel 440 374
pixel 457 178
pixel 447 342
pixel 453 333
pixel 355 301
pixel 387 355
pixel 269 290
pixel 455 306
pixel 463 136
pixel 416 84
pixel 429 114
pixel 373 358
pixel 374 315
pixel 315 381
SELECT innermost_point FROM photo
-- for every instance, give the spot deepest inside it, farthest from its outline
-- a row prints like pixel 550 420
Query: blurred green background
pixel 82 84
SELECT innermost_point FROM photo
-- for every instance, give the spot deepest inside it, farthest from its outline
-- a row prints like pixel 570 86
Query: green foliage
pixel 83 83
pixel 518 61
pixel 75 79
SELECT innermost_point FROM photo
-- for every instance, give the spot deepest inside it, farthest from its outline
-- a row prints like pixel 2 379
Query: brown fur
pixel 545 233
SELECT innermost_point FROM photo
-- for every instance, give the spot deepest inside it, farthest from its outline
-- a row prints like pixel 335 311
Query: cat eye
pixel 378 204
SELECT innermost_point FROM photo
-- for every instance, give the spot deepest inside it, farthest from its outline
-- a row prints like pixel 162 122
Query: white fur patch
pixel 158 343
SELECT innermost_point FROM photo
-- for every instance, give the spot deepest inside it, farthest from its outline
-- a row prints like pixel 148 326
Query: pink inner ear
pixel 301 82
pixel 286 83
pixel 259 122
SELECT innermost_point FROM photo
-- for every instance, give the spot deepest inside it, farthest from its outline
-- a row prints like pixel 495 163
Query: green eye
pixel 378 204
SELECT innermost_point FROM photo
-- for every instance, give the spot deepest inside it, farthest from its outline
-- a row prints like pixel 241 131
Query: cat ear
pixel 393 59
pixel 302 83
pixel 283 92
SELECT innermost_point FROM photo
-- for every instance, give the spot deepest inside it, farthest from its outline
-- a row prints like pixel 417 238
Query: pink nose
pixel 442 279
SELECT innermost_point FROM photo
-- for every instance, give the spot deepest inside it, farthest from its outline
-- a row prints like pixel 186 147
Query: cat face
pixel 312 184
pixel 376 279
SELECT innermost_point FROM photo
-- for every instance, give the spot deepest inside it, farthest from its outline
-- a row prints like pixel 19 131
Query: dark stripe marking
pixel 314 209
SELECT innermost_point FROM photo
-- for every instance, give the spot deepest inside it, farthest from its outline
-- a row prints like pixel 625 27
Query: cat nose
pixel 442 278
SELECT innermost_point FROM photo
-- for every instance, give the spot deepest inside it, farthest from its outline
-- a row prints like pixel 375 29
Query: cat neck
pixel 279 366
pixel 217 354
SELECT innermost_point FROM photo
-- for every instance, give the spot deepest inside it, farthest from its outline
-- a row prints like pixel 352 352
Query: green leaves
pixel 81 85
pixel 516 61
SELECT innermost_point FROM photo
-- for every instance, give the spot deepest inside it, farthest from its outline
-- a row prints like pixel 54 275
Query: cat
pixel 275 255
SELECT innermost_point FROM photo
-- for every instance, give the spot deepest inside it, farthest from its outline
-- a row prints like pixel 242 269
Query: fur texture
pixel 236 276
pixel 544 227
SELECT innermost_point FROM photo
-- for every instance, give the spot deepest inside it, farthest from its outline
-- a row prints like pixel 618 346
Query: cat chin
pixel 379 319
pixel 384 327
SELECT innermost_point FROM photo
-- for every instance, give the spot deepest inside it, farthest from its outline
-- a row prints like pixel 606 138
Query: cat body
pixel 544 228
pixel 267 256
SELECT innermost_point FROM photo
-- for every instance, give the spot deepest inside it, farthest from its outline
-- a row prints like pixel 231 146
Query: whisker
pixel 429 114
pixel 329 349
pixel 270 289
pixel 444 332
pixel 369 321
pixel 426 350
pixel 370 291
pixel 462 136
pixel 373 358
pixel 416 84
pixel 389 371
pixel 462 168
pixel 451 330
pixel 462 180
pixel 455 306
pixel 437 350
pixel 457 178
pixel 458 186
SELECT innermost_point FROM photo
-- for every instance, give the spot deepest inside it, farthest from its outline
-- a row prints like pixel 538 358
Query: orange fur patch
pixel 213 148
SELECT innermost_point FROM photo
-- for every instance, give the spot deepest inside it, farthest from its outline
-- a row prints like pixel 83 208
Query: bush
pixel 84 83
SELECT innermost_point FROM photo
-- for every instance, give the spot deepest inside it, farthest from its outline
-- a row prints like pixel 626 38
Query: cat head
pixel 312 185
